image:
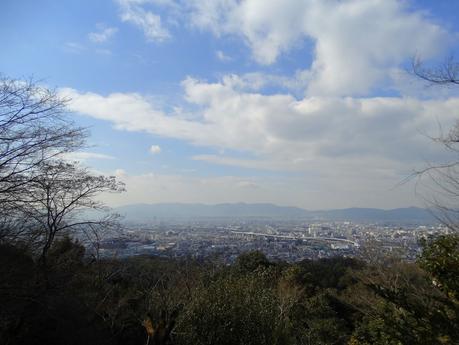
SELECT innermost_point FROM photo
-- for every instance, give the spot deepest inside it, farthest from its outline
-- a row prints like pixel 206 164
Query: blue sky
pixel 294 102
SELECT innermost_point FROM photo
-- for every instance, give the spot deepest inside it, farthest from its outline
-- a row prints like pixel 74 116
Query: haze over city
pixel 297 103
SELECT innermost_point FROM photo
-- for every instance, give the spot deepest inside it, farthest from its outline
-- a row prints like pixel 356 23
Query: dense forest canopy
pixel 147 300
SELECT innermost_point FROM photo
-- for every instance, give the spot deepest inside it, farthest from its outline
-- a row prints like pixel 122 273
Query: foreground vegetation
pixel 148 300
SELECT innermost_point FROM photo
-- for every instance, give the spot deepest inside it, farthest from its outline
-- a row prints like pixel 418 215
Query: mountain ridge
pixel 147 212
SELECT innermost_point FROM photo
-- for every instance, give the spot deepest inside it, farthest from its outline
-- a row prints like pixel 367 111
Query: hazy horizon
pixel 265 203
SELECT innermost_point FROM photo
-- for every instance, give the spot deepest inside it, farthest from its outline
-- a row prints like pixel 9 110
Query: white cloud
pixel 151 24
pixel 256 81
pixel 81 156
pixel 356 41
pixel 369 135
pixel 74 47
pixel 155 149
pixel 103 34
pixel 222 56
pixel 258 164
pixel 132 112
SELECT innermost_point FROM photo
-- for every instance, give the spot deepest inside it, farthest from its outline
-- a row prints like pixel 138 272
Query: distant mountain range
pixel 151 212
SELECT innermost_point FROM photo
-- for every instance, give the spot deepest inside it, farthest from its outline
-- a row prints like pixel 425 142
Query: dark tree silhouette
pixel 58 197
pixel 42 195
pixel 33 130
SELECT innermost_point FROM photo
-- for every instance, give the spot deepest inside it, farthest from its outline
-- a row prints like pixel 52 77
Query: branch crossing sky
pixel 296 102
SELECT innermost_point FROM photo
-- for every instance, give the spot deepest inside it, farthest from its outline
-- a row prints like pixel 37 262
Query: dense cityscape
pixel 291 241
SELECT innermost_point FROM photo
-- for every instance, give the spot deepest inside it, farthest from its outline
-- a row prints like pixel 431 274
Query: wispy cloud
pixel 222 56
pixel 155 149
pixel 150 23
pixel 103 34
pixel 74 47
pixel 85 156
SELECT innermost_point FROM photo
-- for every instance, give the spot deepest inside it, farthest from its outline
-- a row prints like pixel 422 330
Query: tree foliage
pixel 440 258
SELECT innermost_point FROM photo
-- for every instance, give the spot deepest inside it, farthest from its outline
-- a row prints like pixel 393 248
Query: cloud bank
pixel 332 122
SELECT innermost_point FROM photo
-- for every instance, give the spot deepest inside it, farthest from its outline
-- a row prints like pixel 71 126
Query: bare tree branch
pixel 42 195
pixel 444 74
pixel 443 178
pixel 60 196
pixel 33 129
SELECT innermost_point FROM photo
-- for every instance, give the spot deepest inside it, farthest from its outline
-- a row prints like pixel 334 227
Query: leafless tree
pixel 443 177
pixel 60 199
pixel 441 190
pixel 34 128
pixel 446 73
pixel 15 229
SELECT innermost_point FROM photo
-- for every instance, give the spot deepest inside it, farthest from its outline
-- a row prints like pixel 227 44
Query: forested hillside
pixel 147 300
